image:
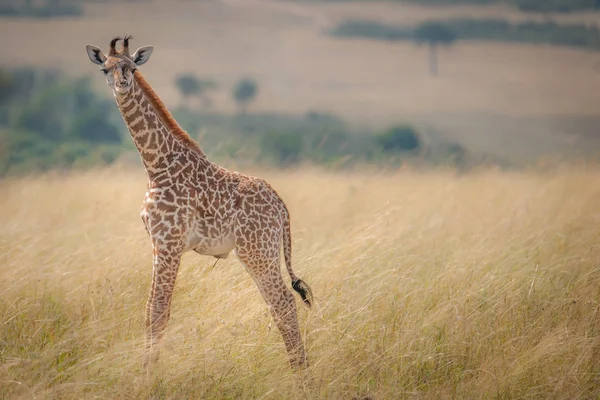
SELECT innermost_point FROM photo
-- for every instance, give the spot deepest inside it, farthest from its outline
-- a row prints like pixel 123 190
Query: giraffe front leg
pixel 164 273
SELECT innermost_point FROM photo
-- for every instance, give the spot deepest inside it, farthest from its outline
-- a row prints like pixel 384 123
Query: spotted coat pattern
pixel 194 204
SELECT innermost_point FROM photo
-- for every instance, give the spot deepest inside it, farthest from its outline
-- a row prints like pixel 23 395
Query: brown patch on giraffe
pixel 136 114
pixel 149 157
pixel 128 108
pixel 151 119
pixel 165 208
pixel 169 196
pixel 142 140
pixel 138 126
pixel 176 168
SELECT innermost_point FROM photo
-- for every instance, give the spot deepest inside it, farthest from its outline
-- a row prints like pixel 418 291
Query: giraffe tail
pixel 297 284
pixel 301 287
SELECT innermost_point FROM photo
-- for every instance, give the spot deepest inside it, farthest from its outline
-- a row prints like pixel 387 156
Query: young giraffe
pixel 194 204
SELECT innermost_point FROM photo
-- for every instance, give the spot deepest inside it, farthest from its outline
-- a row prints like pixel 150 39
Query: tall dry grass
pixel 428 285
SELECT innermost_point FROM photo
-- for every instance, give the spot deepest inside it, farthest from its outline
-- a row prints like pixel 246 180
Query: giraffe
pixel 193 204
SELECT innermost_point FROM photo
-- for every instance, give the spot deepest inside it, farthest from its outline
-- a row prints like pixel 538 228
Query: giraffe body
pixel 194 204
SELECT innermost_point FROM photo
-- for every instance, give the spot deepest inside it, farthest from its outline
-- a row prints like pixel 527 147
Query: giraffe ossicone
pixel 194 204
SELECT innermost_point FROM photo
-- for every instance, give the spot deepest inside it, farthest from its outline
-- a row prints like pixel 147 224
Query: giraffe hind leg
pixel 282 305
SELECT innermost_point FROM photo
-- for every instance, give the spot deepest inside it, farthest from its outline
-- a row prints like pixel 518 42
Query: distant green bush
pixel 52 121
pixel 548 32
pixel 435 33
pixel 92 125
pixel 49 120
pixel 330 145
pixel 576 35
pixel 456 154
pixel 279 138
pixel 6 87
pixel 48 9
pixel 283 146
pixel 525 5
pixel 68 108
pixel 372 30
pixel 400 138
pixel 555 5
pixel 27 153
pixel 315 137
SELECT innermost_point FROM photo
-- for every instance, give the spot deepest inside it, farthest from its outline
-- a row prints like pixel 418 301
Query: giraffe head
pixel 118 65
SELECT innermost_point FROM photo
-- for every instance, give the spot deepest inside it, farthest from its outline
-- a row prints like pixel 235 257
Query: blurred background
pixel 510 83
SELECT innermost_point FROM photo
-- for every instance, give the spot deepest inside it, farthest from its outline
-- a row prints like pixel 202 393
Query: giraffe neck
pixel 161 142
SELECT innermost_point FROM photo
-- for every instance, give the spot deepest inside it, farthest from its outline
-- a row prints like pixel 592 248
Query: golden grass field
pixel 427 284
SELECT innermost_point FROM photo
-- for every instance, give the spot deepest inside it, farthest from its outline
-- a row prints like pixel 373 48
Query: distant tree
pixel 555 5
pixel 434 34
pixel 244 92
pixel 191 86
pixel 188 85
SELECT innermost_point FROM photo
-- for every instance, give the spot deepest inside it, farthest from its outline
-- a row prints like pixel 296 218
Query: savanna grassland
pixel 427 285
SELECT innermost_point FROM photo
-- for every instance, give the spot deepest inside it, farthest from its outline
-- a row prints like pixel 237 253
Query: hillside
pixel 300 68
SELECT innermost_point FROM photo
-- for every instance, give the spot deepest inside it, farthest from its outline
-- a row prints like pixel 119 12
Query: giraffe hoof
pixel 149 359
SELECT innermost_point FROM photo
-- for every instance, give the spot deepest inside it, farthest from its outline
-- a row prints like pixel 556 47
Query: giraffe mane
pixel 165 116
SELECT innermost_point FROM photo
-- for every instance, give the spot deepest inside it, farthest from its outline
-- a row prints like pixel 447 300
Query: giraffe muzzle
pixel 122 87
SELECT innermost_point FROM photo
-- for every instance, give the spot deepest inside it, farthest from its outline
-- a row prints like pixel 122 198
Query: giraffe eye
pixel 104 71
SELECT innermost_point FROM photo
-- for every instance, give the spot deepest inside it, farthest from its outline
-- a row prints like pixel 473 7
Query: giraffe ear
pixel 142 55
pixel 95 54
